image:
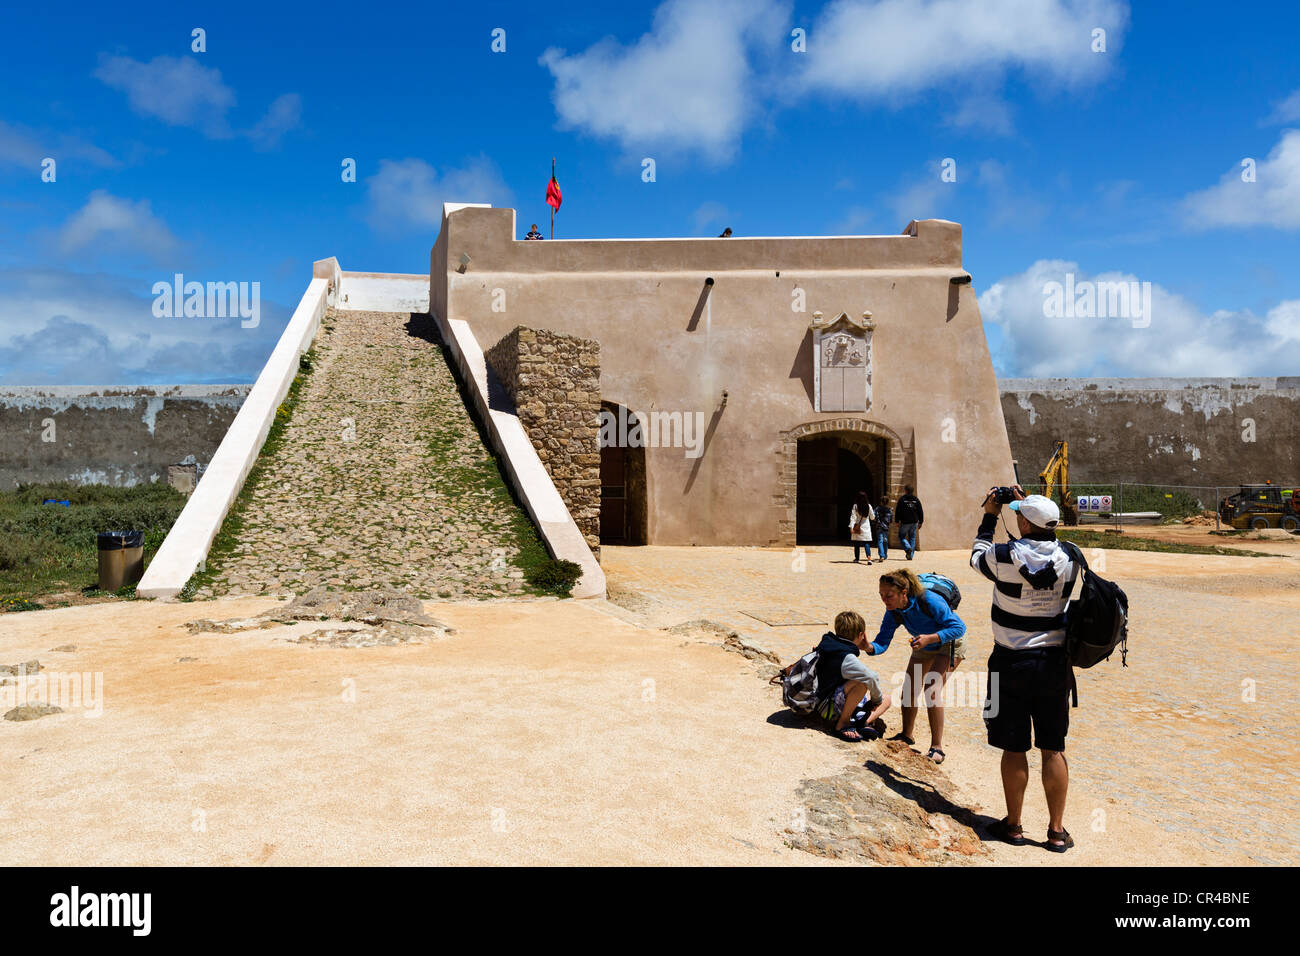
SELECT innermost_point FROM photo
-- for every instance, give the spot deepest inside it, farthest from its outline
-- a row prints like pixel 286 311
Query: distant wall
pixel 1158 430
pixel 117 436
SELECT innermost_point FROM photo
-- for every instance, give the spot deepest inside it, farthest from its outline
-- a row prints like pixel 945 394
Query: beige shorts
pixel 956 653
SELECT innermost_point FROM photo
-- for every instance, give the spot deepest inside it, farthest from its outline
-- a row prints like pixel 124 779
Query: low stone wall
pixel 112 435
pixel 1201 431
pixel 554 381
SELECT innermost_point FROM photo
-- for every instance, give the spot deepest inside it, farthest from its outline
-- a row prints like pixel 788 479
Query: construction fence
pixel 1126 503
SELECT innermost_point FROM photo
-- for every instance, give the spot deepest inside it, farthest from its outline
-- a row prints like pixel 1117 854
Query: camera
pixel 1003 495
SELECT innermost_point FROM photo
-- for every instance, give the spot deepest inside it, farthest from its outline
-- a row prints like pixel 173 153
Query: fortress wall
pixel 1201 431
pixel 670 343
pixel 111 435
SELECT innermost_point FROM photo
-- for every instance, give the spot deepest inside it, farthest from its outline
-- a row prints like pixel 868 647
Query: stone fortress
pixel 729 391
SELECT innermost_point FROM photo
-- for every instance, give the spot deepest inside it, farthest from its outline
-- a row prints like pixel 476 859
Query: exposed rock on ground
pixel 898 808
pixel 382 617
pixel 32 711
pixel 17 670
pixel 369 607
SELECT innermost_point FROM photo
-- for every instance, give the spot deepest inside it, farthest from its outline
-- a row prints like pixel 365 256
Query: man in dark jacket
pixel 844 682
pixel 910 516
pixel 884 518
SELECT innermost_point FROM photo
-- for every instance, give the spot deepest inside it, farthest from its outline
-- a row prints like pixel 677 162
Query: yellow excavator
pixel 1057 474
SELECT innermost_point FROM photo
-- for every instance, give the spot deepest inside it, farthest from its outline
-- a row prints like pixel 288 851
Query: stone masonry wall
pixel 1201 432
pixel 554 381
pixel 125 435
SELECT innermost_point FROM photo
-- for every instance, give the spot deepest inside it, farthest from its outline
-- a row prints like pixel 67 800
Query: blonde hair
pixel 849 624
pixel 904 580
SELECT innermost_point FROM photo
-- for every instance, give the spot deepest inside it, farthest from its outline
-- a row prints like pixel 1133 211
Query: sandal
pixel 936 750
pixel 1015 835
pixel 1063 835
pixel 844 735
pixel 904 738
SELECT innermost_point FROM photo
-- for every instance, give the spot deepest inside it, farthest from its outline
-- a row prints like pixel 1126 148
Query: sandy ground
pixel 543 732
pixel 1186 756
pixel 581 732
pixel 1271 541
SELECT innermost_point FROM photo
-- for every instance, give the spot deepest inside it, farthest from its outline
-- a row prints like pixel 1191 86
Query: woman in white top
pixel 860 519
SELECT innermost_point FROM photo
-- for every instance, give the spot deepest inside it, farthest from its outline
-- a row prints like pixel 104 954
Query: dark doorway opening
pixel 622 480
pixel 829 478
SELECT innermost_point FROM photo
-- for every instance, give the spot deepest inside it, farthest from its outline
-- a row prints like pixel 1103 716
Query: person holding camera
pixel 1030 676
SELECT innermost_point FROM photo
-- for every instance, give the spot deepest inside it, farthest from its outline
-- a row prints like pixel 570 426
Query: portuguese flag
pixel 553 196
pixel 553 191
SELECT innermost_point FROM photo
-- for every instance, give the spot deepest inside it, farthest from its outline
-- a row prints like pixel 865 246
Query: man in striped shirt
pixel 1029 674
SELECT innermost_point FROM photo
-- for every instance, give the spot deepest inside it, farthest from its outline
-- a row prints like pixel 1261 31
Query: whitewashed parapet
pixel 524 469
pixel 187 544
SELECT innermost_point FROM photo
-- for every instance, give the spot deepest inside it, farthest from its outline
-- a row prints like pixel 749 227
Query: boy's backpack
pixel 799 684
pixel 941 585
pixel 1096 622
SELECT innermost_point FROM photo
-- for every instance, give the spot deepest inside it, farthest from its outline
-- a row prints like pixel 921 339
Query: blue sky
pixel 224 165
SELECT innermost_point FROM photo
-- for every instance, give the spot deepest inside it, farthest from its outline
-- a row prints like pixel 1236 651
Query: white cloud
pixel 685 85
pixel 20 146
pixel 709 215
pixel 983 112
pixel 182 92
pixel 176 90
pixel 283 115
pixel 928 198
pixel 888 49
pixel 407 194
pixel 1181 340
pixel 128 224
pixel 1283 321
pixel 1273 199
pixel 69 328
pixel 1288 111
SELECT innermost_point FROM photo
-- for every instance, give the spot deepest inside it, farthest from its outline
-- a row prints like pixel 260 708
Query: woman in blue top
pixel 938 646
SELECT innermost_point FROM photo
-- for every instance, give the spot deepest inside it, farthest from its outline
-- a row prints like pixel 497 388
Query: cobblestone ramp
pixel 381 480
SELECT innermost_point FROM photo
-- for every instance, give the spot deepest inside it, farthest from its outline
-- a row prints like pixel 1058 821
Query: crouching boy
pixel 851 696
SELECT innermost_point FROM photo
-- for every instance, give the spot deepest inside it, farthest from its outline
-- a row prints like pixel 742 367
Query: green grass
pixel 49 548
pixel 1122 542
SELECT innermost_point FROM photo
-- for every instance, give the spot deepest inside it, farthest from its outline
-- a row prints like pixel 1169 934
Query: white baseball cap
pixel 1038 510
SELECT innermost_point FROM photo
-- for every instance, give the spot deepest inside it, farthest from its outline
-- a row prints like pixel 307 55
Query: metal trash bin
pixel 121 559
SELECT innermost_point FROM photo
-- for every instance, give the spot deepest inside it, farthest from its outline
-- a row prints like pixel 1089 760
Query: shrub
pixel 554 576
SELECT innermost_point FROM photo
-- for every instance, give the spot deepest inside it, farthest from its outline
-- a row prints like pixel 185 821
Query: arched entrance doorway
pixel 829 478
pixel 823 465
pixel 622 477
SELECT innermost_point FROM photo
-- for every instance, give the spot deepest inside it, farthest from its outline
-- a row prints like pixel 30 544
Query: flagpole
pixel 548 198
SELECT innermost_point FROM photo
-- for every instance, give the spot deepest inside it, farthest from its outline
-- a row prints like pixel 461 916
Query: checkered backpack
pixel 799 684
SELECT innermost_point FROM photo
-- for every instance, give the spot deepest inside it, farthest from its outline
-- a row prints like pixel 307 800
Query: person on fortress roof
pixel 534 234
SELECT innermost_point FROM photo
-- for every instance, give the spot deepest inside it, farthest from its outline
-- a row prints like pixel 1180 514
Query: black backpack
pixel 1096 622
